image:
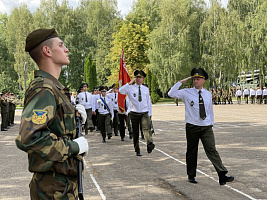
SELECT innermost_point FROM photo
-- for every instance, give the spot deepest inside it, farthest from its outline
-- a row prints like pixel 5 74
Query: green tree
pixel 133 38
pixel 90 73
pixel 18 27
pixel 170 51
pixel 102 19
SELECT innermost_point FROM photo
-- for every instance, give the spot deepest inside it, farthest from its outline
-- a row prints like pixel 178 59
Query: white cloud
pixel 124 6
pixel 6 6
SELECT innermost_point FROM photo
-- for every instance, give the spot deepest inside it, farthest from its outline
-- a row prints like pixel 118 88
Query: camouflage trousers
pixel 46 187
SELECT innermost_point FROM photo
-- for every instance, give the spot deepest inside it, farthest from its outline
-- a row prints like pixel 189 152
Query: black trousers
pixel 122 119
pixel 205 134
pixel 137 119
pixel 115 122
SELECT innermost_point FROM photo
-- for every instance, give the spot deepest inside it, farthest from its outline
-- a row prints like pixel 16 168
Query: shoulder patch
pixel 39 116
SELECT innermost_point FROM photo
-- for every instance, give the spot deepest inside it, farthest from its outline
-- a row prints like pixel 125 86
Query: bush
pixel 154 97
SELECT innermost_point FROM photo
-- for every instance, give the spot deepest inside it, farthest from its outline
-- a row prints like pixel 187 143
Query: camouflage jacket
pixel 48 127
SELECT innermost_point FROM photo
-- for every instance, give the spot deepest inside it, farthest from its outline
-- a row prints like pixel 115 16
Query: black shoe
pixel 150 147
pixel 109 137
pixel 138 154
pixel 223 179
pixel 192 180
pixel 104 141
pixel 130 135
pixel 122 139
pixel 142 138
pixel 4 129
pixel 116 134
pixel 91 130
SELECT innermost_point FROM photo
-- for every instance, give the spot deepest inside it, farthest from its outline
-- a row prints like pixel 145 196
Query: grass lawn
pixel 166 101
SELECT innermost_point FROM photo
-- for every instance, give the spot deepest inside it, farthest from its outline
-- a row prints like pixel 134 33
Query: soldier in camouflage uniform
pixel 3 112
pixel 48 129
pixel 214 96
pixel 224 96
pixel 218 95
pixel 230 94
pixel 12 107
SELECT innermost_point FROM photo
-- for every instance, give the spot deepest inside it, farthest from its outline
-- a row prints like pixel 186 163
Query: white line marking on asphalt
pixel 203 173
pixel 95 182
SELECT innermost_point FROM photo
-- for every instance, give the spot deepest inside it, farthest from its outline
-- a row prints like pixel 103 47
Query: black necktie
pixel 85 97
pixel 105 107
pixel 202 111
pixel 139 95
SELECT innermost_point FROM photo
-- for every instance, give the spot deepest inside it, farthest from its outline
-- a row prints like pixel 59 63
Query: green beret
pixel 199 72
pixel 38 36
pixel 140 73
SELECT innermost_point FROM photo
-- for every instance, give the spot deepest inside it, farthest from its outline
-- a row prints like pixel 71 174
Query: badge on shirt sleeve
pixel 39 116
pixel 134 95
pixel 192 103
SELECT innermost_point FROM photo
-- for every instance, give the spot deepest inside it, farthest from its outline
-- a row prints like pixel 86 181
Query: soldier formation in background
pixel 224 96
pixel 9 101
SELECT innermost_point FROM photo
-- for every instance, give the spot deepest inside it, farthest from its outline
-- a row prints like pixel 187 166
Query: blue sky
pixel 7 5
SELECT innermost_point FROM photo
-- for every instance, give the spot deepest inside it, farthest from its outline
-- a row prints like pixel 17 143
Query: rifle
pixel 80 164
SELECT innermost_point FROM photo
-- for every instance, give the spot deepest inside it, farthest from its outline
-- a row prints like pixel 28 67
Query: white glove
pixel 83 145
pixel 99 100
pixel 80 108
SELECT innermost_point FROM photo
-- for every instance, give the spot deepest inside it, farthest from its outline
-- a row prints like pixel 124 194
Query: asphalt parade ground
pixel 113 171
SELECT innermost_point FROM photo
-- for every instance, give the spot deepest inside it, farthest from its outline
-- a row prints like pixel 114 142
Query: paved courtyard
pixel 112 171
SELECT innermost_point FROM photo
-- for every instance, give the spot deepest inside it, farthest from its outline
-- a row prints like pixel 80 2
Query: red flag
pixel 123 79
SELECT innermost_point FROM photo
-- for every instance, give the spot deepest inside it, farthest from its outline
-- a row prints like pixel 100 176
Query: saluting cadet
pixel 199 124
pixel 140 109
pixel 85 99
pixel 48 129
pixel 246 95
pixel 238 95
pixel 258 95
pixel 252 94
pixel 3 112
pixel 106 113
pixel 112 94
pixel 264 94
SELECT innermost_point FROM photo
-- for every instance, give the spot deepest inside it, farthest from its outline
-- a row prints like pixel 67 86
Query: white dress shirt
pixel 264 92
pixel 190 97
pixel 245 92
pixel 252 92
pixel 83 96
pixel 102 109
pixel 114 100
pixel 95 105
pixel 238 93
pixel 73 100
pixel 258 92
pixel 133 92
